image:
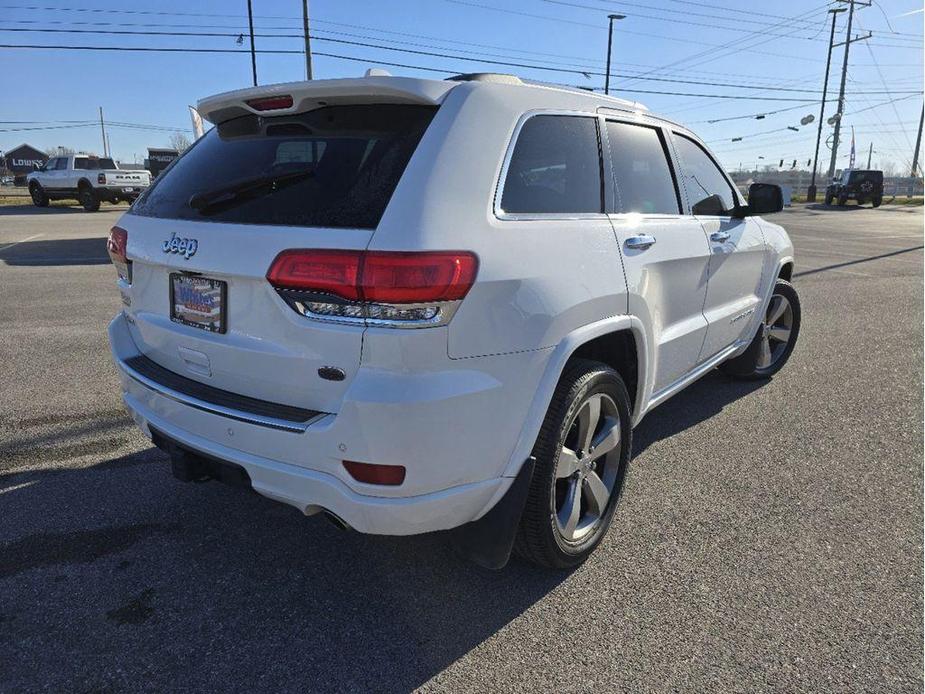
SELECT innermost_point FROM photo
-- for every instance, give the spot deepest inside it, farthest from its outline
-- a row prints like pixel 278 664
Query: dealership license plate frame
pixel 182 317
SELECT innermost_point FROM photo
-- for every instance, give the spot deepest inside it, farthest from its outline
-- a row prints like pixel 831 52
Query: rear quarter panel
pixel 538 280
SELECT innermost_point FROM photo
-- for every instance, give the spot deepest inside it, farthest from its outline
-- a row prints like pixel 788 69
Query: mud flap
pixel 488 541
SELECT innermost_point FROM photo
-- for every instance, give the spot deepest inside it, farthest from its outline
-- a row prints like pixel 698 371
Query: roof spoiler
pixel 298 97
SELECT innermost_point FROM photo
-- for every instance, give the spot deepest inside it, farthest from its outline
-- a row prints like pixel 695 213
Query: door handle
pixel 719 236
pixel 640 242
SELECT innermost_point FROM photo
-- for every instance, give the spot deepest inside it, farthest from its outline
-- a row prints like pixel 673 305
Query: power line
pixel 531 66
pixel 716 54
pixel 560 20
pixel 754 116
pixel 686 22
pixel 150 49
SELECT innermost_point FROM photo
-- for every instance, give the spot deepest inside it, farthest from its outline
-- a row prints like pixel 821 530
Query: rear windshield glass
pixel 872 176
pixel 93 164
pixel 335 166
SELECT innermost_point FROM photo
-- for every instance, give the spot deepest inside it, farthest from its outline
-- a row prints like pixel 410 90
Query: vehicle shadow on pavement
pixel 167 582
pixel 30 209
pixel 697 403
pixel 90 251
pixel 850 207
pixel 154 580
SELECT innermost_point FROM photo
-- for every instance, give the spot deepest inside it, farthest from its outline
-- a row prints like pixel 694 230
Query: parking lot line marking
pixel 16 243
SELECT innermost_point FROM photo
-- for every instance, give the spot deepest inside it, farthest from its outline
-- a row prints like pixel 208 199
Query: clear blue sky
pixel 667 45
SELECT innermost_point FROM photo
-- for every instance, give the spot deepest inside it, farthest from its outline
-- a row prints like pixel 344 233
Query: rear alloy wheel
pixel 88 199
pixel 777 335
pixel 39 196
pixel 581 454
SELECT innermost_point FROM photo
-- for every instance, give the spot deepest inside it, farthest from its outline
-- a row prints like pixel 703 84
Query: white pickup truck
pixel 87 179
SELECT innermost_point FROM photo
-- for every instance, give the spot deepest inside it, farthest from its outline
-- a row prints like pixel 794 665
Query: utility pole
pixel 103 131
pixel 611 18
pixel 844 76
pixel 811 191
pixel 308 45
pixel 918 144
pixel 250 22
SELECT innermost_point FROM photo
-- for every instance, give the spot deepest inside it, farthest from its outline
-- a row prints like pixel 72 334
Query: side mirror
pixel 763 198
pixel 712 206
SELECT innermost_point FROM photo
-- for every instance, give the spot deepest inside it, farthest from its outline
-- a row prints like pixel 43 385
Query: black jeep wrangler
pixel 854 184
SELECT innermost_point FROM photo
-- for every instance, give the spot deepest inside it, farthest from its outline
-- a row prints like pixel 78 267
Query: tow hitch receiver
pixel 188 466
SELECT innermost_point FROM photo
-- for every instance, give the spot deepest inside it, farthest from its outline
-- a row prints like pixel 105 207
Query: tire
pixel 548 534
pixel 768 351
pixel 88 199
pixel 876 202
pixel 828 199
pixel 39 196
pixel 842 200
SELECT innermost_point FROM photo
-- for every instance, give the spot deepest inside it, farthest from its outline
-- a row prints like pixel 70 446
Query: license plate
pixel 128 190
pixel 198 301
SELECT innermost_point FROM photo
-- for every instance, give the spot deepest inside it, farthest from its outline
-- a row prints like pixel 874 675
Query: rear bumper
pixel 303 468
pixel 110 194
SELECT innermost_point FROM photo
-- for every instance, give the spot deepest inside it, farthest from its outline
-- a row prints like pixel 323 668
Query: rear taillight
pixel 101 178
pixel 382 286
pixel 270 103
pixel 117 245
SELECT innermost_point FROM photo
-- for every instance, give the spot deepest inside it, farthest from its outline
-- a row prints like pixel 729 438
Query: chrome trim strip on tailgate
pixel 213 408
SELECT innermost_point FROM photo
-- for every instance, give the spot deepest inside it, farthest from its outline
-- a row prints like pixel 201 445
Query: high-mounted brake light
pixel 377 285
pixel 116 245
pixel 270 103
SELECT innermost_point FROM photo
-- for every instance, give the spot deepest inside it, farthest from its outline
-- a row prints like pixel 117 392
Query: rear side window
pixel 93 163
pixel 703 179
pixel 641 170
pixel 555 168
pixel 335 166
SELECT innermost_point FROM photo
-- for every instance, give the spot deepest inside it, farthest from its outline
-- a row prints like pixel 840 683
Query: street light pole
pixel 811 191
pixel 611 18
pixel 250 22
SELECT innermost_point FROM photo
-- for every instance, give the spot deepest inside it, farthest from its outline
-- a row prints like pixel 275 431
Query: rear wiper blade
pixel 243 190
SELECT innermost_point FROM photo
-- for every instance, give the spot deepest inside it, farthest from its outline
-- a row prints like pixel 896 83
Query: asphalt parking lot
pixel 769 538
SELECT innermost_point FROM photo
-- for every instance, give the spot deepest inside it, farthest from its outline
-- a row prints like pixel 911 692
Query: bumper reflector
pixel 375 474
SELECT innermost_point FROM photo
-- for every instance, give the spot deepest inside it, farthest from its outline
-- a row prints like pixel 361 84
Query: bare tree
pixel 59 152
pixel 179 141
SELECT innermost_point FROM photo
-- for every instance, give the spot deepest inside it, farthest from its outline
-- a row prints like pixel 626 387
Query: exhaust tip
pixel 335 520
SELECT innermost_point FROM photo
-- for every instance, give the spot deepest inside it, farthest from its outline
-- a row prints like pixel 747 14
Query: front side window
pixel 708 191
pixel 641 171
pixel 335 166
pixel 555 168
pixel 62 163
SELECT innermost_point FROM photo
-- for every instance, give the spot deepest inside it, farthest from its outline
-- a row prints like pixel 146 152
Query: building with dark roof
pixel 22 160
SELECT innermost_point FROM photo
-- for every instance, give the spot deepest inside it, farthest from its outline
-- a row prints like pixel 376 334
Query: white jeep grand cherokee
pixel 418 305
